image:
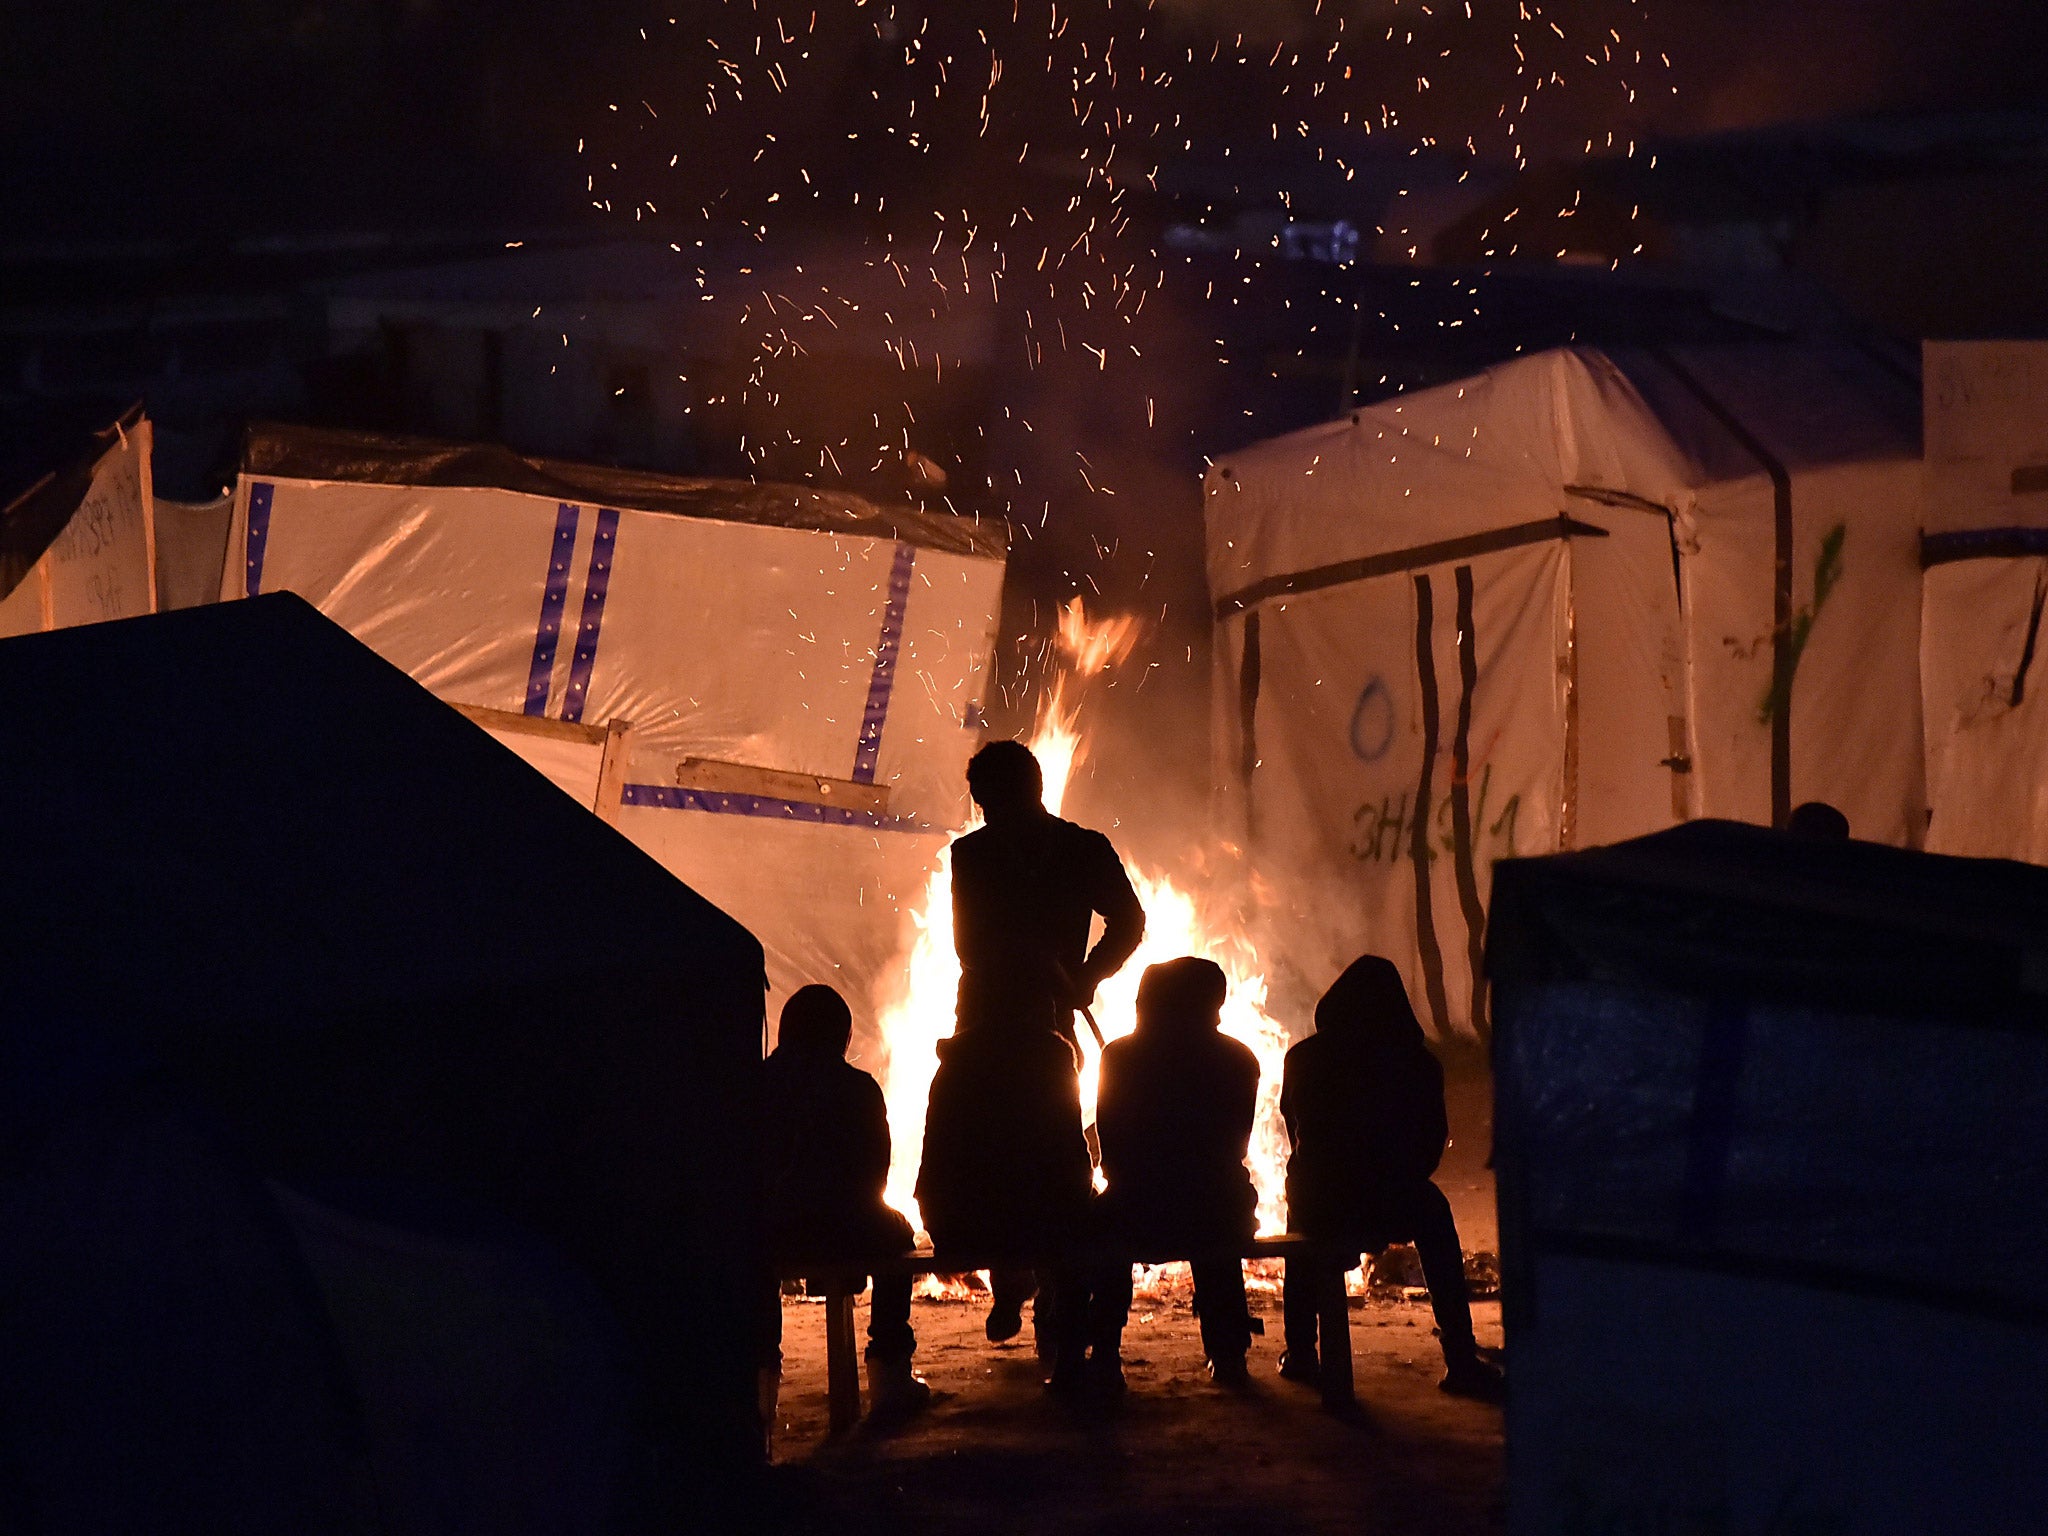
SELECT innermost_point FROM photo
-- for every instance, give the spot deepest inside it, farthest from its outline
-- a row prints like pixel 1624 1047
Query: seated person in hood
pixel 825 1163
pixel 1363 1100
pixel 1174 1115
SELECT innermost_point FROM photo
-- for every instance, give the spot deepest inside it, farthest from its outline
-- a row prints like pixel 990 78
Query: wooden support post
pixel 1333 1329
pixel 842 1364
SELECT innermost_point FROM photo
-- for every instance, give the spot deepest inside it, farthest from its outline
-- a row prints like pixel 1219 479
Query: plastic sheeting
pixel 1761 1100
pixel 1710 518
pixel 837 655
pixel 91 555
pixel 1987 722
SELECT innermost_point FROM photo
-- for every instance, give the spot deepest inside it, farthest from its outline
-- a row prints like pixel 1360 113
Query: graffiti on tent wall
pixel 1383 830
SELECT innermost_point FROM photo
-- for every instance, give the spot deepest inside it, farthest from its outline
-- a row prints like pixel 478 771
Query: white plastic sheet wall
pixel 851 658
pixel 1358 684
pixel 102 566
pixel 1646 694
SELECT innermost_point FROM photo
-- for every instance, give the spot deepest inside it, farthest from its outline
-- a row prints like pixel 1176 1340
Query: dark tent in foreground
pixel 372 1118
pixel 1772 1140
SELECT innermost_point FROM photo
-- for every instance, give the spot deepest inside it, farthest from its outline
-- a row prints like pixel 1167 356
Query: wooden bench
pixel 844 1282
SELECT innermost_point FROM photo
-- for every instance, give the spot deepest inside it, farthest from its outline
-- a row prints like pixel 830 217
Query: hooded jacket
pixel 1363 1101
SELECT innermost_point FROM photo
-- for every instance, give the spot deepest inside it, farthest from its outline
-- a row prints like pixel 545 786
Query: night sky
pixel 248 117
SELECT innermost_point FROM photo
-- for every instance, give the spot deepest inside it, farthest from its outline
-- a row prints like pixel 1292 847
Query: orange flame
pixel 1176 924
pixel 1091 648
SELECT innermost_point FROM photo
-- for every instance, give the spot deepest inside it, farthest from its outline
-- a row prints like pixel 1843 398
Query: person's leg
pixel 1109 1310
pixel 1298 1311
pixel 889 1330
pixel 1443 1271
pixel 1009 1289
pixel 894 1389
pixel 1064 1295
pixel 1226 1319
pixel 768 1353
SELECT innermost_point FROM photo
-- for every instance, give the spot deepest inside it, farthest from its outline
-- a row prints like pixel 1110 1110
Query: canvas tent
pixel 756 683
pixel 77 544
pixel 1771 1129
pixel 1575 598
pixel 375 1120
pixel 1986 555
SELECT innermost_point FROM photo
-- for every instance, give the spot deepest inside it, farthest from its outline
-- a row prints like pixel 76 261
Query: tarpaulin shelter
pixel 1986 554
pixel 77 543
pixel 1771 1132
pixel 1575 598
pixel 366 1107
pixel 757 683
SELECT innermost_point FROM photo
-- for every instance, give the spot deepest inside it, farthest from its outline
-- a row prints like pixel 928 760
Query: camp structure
pixel 771 689
pixel 1771 1140
pixel 1986 554
pixel 77 542
pixel 376 1133
pixel 1576 598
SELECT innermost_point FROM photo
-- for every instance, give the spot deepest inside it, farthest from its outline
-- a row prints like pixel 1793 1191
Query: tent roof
pixel 41 493
pixel 1570 431
pixel 1717 908
pixel 315 453
pixel 238 817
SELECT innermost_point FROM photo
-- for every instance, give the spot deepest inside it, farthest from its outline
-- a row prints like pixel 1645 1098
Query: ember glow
pixel 1176 924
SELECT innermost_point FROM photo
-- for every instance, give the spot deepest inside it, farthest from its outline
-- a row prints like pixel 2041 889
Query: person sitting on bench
pixel 1363 1101
pixel 1174 1114
pixel 825 1163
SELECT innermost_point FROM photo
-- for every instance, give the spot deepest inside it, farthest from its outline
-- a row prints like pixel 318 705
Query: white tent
pixel 1574 599
pixel 78 546
pixel 1987 576
pixel 773 690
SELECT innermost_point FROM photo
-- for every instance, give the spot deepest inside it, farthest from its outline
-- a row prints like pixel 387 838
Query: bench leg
pixel 842 1364
pixel 1333 1330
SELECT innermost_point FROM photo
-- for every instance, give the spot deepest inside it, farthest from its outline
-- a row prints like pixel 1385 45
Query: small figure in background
pixel 1363 1100
pixel 1174 1114
pixel 825 1164
pixel 1819 821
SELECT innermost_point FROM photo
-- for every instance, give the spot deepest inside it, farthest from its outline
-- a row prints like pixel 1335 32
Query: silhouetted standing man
pixel 1363 1099
pixel 1174 1114
pixel 1026 890
pixel 1003 1155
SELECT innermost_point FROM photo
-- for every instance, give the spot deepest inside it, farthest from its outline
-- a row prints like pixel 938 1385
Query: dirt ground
pixel 995 1454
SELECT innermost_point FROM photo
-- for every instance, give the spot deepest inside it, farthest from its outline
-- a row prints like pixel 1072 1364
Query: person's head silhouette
pixel 1818 820
pixel 1368 1005
pixel 817 1021
pixel 1006 783
pixel 1184 995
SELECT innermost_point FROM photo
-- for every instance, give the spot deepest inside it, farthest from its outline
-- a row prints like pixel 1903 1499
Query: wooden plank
pixel 1333 1336
pixel 514 724
pixel 611 773
pixel 721 778
pixel 842 1367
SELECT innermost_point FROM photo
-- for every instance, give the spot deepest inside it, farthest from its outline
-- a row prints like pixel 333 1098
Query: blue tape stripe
pixel 663 798
pixel 869 752
pixel 595 584
pixel 554 597
pixel 260 493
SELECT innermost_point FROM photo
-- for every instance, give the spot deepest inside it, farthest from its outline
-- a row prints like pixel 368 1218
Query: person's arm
pixel 871 1148
pixel 1288 1102
pixel 1246 1116
pixel 1110 1109
pixel 1123 920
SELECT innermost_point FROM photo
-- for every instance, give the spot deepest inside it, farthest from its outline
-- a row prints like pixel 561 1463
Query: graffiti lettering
pixel 1383 831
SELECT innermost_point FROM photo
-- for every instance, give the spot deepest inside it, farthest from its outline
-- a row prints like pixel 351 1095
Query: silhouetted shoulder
pixel 1241 1056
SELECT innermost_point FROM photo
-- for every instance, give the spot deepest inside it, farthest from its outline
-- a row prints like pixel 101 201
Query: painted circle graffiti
pixel 1372 721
